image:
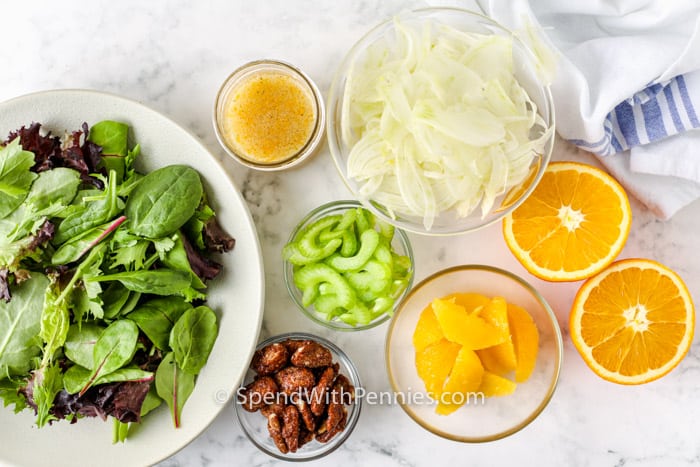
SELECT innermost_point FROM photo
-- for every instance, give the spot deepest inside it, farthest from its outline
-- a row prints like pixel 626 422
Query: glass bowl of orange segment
pixel 473 353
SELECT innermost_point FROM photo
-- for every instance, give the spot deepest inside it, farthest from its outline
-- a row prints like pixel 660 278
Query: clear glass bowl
pixel 525 70
pixel 493 417
pixel 400 245
pixel 254 424
pixel 257 68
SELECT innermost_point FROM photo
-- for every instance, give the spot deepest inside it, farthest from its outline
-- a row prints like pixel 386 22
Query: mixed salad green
pixel 103 274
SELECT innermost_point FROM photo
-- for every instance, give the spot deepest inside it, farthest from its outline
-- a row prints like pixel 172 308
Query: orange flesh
pixel 268 118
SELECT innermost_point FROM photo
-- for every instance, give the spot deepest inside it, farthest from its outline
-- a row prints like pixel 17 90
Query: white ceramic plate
pixel 236 295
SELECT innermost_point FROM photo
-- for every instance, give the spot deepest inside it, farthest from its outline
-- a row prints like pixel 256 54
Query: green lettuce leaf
pixel 15 176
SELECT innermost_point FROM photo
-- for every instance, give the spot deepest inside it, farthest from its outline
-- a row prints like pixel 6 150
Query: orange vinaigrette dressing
pixel 269 117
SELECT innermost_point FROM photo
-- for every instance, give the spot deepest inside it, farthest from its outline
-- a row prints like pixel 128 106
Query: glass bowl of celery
pixel 345 268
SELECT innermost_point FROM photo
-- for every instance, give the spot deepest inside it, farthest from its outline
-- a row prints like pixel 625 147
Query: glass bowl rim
pixel 289 280
pixel 353 418
pixel 335 97
pixel 559 355
pixel 316 137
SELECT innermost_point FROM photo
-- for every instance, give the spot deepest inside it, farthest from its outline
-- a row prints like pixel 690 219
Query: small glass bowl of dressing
pixel 269 115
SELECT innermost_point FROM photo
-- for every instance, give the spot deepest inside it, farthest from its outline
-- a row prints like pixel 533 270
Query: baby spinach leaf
pixel 114 298
pixel 20 323
pixel 151 402
pixel 157 317
pixel 15 176
pixel 114 349
pixel 163 201
pixel 76 377
pixel 174 386
pixel 80 343
pixel 96 210
pixel 110 136
pixel 192 338
pixel 157 281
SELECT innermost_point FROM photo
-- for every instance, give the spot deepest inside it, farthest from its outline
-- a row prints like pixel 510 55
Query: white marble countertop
pixel 173 55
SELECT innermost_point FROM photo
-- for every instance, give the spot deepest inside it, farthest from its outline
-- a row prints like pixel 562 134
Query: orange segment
pixel 428 330
pixel 494 385
pixel 467 329
pixel 470 301
pixel 572 226
pixel 465 378
pixel 633 322
pixel 526 341
pixel 434 364
pixel 499 359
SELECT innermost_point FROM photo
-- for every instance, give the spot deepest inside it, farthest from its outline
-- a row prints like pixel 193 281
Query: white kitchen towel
pixel 626 86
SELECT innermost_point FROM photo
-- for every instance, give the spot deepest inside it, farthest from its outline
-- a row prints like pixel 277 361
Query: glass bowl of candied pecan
pixel 297 402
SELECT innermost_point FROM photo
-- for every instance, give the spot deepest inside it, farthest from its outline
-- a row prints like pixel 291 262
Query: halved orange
pixel 633 322
pixel 572 226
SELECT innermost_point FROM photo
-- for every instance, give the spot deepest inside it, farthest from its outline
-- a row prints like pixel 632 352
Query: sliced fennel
pixel 436 121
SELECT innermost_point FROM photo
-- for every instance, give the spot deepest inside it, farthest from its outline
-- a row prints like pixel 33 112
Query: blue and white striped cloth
pixel 652 114
pixel 627 81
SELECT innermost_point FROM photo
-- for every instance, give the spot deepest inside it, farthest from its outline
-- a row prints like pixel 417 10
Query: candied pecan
pixel 312 355
pixel 275 408
pixel 295 380
pixel 290 429
pixel 320 391
pixel 306 414
pixel 344 389
pixel 305 435
pixel 274 427
pixel 325 436
pixel 334 415
pixel 256 395
pixel 270 359
pixel 293 345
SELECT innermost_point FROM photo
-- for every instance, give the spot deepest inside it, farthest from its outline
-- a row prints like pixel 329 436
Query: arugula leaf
pixel 195 226
pixel 15 176
pixel 20 325
pixel 48 382
pixel 86 299
pixel 174 386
